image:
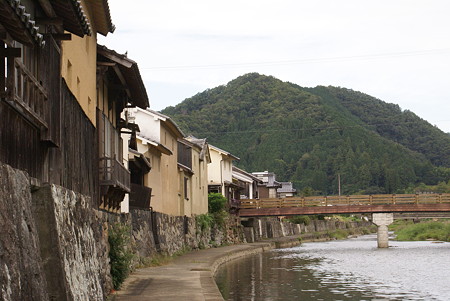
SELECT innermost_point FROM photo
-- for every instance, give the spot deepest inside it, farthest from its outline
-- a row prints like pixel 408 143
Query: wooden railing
pixel 27 93
pixel 113 173
pixel 378 199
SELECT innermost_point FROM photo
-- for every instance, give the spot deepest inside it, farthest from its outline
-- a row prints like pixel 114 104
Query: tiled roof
pixel 17 10
pixel 224 152
pixel 84 22
pixel 74 17
pixel 101 16
pixel 203 144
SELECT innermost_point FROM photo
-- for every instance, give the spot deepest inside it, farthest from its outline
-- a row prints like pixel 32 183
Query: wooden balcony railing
pixel 113 173
pixel 140 196
pixel 25 92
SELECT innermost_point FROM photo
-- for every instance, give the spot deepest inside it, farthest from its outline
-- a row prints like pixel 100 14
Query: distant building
pixel 220 178
pixel 247 184
pixel 193 160
pixel 268 187
pixel 286 190
pixel 119 85
pixel 157 141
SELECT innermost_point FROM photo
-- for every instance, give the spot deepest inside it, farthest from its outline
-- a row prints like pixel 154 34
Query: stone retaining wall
pixel 271 227
pixel 74 258
pixel 154 232
pixel 21 273
pixel 54 245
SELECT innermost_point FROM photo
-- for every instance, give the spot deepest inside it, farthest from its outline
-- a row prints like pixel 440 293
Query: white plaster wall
pixel 214 169
pixel 125 204
pixel 227 170
pixel 149 124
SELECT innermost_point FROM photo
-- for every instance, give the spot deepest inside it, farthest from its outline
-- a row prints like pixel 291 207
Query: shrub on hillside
pixel 216 202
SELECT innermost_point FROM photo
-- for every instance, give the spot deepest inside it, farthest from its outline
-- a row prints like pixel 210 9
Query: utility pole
pixel 339 183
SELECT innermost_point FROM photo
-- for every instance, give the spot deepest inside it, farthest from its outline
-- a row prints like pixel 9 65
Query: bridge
pixel 381 206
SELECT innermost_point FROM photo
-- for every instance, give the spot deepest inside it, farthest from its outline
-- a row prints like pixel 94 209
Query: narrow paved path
pixel 190 276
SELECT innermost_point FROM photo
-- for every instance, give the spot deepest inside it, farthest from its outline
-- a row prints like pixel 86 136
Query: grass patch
pixel 400 224
pixel 339 234
pixel 424 231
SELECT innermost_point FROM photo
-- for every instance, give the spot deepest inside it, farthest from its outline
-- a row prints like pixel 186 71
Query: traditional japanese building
pixel 119 85
pixel 220 178
pixel 268 187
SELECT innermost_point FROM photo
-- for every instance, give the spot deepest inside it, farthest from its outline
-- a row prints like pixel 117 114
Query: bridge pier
pixel 383 220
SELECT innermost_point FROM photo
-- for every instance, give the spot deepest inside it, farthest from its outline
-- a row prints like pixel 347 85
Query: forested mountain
pixel 310 135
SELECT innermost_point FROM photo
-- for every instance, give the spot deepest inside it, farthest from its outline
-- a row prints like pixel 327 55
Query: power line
pixel 304 61
pixel 306 129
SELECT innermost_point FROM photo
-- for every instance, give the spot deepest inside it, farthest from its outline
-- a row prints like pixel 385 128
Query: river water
pixel 353 269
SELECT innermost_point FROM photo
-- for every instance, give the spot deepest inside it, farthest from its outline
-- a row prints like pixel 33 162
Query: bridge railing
pixel 375 199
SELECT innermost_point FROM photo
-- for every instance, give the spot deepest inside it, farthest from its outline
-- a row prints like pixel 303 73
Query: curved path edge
pixel 191 276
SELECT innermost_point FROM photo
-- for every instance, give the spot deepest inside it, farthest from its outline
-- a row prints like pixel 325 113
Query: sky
pixel 395 50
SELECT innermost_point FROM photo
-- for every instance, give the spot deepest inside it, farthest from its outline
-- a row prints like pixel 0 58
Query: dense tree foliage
pixel 311 135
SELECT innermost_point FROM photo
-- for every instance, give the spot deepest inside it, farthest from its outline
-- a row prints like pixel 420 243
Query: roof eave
pixel 131 76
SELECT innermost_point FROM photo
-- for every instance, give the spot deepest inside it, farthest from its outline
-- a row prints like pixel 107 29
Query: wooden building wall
pixel 75 163
pixel 20 144
pixel 65 153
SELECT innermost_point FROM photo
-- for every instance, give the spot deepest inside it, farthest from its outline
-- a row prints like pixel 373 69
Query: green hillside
pixel 310 135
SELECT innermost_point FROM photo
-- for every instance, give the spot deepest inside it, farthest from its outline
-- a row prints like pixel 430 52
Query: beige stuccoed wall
pixel 164 176
pixel 153 179
pixel 185 203
pixel 197 187
pixel 78 68
pixel 169 174
pixel 199 184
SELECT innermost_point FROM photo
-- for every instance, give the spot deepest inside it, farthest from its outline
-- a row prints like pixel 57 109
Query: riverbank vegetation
pixel 426 230
pixel 306 219
pixel 217 213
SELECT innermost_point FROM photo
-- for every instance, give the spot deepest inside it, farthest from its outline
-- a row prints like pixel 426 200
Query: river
pixel 353 269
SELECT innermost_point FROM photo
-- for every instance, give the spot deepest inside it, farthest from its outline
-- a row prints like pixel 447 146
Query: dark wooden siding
pixel 65 150
pixel 49 75
pixel 20 144
pixel 75 163
pixel 185 155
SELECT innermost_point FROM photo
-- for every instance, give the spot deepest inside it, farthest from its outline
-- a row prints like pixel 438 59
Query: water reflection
pixel 341 270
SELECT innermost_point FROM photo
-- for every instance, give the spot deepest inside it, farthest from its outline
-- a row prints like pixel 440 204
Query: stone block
pixel 21 273
pixel 249 234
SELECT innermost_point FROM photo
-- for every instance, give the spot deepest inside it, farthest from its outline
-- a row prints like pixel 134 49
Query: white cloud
pixel 220 40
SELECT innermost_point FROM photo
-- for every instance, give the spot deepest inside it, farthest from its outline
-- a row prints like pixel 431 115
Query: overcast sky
pixel 395 50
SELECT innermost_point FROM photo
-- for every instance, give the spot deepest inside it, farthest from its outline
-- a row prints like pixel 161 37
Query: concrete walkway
pixel 190 276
